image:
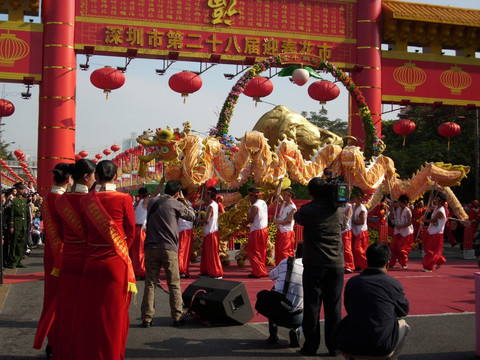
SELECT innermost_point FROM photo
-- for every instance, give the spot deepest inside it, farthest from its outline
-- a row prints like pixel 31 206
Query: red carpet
pixel 13 279
pixel 446 290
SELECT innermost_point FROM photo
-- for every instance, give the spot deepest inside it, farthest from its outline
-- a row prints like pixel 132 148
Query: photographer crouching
pixel 323 220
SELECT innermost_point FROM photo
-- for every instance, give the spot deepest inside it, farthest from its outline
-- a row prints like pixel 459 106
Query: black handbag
pixel 270 302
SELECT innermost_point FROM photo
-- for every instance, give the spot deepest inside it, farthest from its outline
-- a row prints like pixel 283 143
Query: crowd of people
pixel 99 242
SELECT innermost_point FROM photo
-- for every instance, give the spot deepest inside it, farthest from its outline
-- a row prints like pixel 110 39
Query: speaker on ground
pixel 219 301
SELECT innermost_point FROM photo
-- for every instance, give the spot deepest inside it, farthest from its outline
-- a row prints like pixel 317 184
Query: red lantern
pixel 108 79
pixel 99 156
pixel 83 153
pixel 19 155
pixel 258 87
pixel 77 157
pixel 95 160
pixel 107 152
pixel 115 148
pixel 323 91
pixel 449 130
pixel 6 108
pixel 404 127
pixel 185 83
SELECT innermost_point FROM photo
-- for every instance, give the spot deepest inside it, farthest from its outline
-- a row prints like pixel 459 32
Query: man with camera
pixel 323 221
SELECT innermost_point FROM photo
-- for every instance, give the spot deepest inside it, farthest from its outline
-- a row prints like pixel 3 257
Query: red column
pixel 56 133
pixel 369 80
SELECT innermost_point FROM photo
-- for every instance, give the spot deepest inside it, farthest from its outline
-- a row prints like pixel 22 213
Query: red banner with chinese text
pixel 233 29
pixel 427 78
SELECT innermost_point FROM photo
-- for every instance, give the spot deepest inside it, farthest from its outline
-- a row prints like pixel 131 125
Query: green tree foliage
pixel 426 145
pixel 5 153
pixel 320 119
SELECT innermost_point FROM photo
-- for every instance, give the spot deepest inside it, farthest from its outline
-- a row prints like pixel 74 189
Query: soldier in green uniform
pixel 18 227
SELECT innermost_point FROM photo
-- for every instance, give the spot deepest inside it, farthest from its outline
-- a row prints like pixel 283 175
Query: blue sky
pixel 146 101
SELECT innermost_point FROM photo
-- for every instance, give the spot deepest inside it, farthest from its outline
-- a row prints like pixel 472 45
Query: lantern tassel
pixel 404 140
pixel 448 144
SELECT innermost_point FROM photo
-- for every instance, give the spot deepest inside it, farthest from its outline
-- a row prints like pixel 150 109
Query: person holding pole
pixel 258 235
pixel 434 240
pixel 285 239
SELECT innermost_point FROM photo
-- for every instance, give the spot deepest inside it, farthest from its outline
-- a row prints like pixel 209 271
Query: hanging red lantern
pixel 83 153
pixel 108 79
pixel 107 152
pixel 6 108
pixel 449 130
pixel 258 87
pixel 185 83
pixel 19 155
pixel 95 160
pixel 323 91
pixel 115 148
pixel 404 127
pixel 77 157
pixel 99 156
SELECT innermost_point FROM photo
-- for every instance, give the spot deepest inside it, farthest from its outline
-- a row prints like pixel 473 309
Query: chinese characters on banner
pixel 227 27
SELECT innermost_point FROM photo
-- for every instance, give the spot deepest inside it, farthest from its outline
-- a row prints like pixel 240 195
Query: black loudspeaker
pixel 218 301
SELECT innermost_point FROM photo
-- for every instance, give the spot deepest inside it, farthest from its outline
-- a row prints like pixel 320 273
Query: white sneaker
pixel 405 267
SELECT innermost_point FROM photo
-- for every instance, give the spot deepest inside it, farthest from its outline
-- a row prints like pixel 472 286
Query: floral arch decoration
pixel 372 143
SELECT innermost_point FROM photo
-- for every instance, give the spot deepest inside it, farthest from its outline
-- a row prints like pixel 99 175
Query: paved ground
pixel 433 337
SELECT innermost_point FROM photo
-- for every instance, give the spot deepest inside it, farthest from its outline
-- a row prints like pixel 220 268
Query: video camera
pixel 339 189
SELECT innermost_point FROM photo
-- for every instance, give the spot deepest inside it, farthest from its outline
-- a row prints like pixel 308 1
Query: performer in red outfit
pixel 185 242
pixel 285 239
pixel 418 213
pixel 73 256
pixel 221 207
pixel 137 252
pixel 379 214
pixel 359 230
pixel 258 235
pixel 433 244
pixel 402 241
pixel 51 257
pixel 474 215
pixel 210 264
pixel 108 277
pixel 347 240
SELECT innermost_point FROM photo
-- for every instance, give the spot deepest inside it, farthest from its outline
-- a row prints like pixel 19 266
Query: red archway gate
pixel 344 32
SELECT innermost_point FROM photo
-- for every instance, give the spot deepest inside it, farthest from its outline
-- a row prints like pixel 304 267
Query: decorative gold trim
pixel 366 21
pixel 58 23
pixel 59 67
pixel 403 55
pixel 369 87
pixel 375 114
pixel 368 47
pixel 372 67
pixel 426 100
pixel 59 45
pixel 54 158
pixel 58 97
pixel 55 127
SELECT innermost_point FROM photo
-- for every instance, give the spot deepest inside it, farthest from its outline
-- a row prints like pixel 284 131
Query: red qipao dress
pixel 51 259
pixel 71 269
pixel 108 278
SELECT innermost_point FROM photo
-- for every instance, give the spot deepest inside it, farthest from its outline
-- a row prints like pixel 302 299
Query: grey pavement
pixel 432 337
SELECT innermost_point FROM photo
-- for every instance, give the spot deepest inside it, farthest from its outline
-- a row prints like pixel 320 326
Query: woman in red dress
pixel 51 257
pixel 108 278
pixel 73 256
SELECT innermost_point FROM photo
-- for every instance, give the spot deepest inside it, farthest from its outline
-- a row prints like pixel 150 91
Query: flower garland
pixel 372 143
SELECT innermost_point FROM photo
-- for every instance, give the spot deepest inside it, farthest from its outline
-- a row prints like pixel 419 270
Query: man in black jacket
pixel 374 302
pixel 323 264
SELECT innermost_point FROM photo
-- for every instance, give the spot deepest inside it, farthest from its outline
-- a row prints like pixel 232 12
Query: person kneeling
pixel 374 302
pixel 288 276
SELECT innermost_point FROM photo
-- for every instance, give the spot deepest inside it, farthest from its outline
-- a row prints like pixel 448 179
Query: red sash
pixel 71 217
pixel 53 234
pixel 111 232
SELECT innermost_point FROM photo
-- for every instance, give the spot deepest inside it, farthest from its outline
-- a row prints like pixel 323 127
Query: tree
pixel 320 119
pixel 425 145
pixel 4 152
